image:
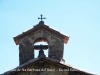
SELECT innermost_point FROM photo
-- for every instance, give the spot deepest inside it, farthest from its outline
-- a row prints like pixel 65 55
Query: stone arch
pixel 55 44
pixel 38 41
pixel 41 39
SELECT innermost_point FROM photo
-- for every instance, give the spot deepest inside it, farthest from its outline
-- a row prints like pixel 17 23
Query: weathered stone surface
pixel 26 46
pixel 26 51
pixel 46 67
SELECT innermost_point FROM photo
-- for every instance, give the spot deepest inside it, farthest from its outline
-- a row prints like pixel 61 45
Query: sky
pixel 79 19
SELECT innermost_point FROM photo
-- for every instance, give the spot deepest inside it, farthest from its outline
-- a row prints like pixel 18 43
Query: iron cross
pixel 41 17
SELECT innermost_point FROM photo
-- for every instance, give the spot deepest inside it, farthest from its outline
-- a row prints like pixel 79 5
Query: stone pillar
pixel 56 50
pixel 26 51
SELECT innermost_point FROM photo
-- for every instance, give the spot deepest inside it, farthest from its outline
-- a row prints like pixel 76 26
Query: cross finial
pixel 41 17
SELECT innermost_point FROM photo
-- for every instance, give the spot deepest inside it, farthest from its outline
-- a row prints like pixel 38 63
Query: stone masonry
pixel 26 46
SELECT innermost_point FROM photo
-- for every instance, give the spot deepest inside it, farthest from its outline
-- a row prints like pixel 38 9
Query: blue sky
pixel 80 19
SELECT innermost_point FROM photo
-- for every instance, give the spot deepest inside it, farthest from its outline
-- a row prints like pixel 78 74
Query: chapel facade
pixel 54 64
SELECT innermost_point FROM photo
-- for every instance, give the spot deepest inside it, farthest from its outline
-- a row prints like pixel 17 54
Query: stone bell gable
pixel 54 64
pixel 38 33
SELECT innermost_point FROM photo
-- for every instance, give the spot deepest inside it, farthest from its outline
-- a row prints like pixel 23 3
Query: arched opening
pixel 41 41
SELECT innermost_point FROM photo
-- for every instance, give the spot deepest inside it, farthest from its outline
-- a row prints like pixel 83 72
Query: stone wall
pixel 45 67
pixel 26 46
